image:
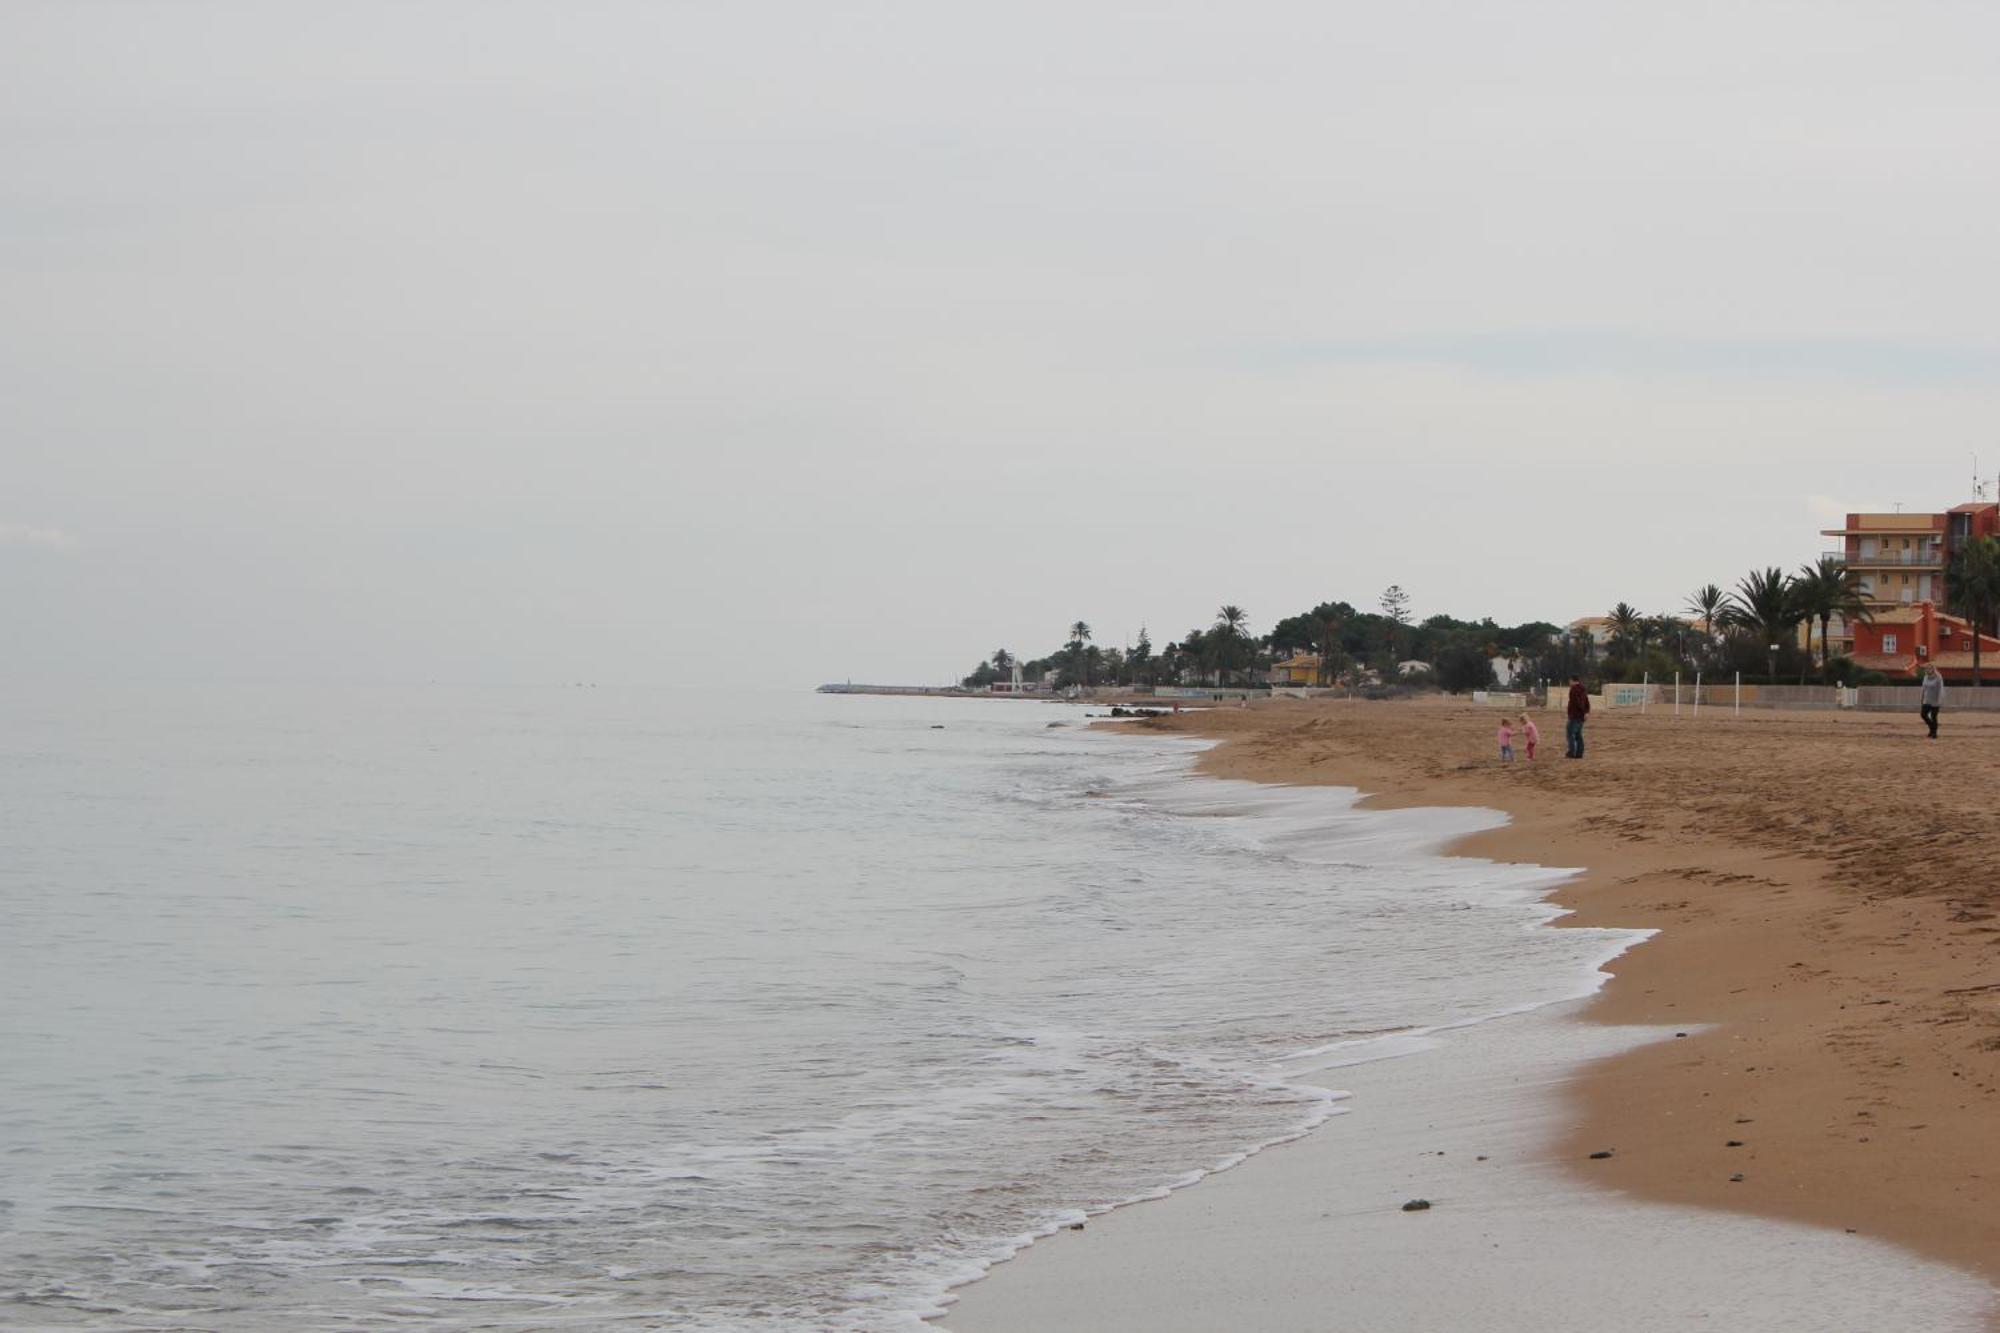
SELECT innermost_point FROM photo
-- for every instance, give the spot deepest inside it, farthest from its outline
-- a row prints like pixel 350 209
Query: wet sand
pixel 1828 940
pixel 1824 885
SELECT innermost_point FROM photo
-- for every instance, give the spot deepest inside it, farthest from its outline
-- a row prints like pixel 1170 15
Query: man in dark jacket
pixel 1579 709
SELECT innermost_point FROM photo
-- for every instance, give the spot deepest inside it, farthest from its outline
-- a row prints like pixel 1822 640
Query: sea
pixel 452 1007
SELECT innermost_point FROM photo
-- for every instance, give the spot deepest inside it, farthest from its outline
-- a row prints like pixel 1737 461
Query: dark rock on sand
pixel 1600 1155
pixel 1417 1206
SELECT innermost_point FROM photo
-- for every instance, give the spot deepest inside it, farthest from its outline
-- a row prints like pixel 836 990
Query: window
pixel 1888 643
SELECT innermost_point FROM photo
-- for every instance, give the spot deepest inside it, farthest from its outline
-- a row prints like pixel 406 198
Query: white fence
pixel 1729 696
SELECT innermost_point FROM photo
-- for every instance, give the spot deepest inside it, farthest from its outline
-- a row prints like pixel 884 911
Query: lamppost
pixel 1774 664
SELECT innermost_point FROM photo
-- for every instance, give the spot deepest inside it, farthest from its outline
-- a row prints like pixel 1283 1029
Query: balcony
pixel 1914 559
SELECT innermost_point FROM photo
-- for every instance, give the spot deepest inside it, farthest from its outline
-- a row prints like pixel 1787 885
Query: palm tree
pixel 1972 588
pixel 1764 604
pixel 1825 590
pixel 1625 623
pixel 1003 661
pixel 1707 605
pixel 1671 629
pixel 1079 635
pixel 1229 629
pixel 1649 627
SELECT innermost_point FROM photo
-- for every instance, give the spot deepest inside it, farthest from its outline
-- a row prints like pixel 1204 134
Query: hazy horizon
pixel 704 343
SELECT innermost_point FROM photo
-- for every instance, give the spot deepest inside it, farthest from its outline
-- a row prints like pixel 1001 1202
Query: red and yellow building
pixel 1898 560
pixel 1901 640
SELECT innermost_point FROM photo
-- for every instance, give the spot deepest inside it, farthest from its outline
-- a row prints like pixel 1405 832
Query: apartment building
pixel 1899 560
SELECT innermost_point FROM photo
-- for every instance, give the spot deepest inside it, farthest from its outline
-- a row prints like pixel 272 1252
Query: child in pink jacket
pixel 1530 735
pixel 1506 742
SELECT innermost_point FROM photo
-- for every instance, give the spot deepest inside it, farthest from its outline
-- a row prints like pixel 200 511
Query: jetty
pixel 954 691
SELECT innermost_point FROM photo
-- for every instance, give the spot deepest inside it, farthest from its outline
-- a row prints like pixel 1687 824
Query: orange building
pixel 1302 669
pixel 1898 560
pixel 1901 640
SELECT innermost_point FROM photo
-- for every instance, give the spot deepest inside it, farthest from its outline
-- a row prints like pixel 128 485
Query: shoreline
pixel 1852 1042
pixel 1637 1086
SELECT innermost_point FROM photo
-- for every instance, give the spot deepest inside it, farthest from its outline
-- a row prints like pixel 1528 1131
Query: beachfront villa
pixel 1299 669
pixel 1597 629
pixel 1900 641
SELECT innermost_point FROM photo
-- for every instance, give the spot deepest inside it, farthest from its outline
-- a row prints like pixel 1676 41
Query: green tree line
pixel 1754 627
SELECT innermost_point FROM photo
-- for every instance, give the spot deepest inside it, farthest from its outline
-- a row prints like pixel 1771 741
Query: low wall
pixel 1908 698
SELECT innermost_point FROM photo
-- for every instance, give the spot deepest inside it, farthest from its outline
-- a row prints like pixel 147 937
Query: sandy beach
pixel 1827 941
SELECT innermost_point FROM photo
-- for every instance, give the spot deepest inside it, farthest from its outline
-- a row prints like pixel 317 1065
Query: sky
pixel 712 343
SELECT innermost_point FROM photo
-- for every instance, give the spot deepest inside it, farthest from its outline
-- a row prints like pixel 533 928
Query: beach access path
pixel 1827 891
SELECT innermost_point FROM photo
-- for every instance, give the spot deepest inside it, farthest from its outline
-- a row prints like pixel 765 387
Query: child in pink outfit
pixel 1506 742
pixel 1530 735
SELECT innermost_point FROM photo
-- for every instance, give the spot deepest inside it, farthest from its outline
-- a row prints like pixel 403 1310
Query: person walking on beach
pixel 1933 698
pixel 1531 736
pixel 1506 742
pixel 1579 709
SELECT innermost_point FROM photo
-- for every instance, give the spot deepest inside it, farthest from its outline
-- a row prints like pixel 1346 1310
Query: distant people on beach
pixel 1506 742
pixel 1933 698
pixel 1579 709
pixel 1531 736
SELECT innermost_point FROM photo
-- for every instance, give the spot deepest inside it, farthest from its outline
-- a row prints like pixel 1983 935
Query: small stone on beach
pixel 1417 1206
pixel 1600 1155
pixel 1076 1226
pixel 1737 1177
pixel 1734 1143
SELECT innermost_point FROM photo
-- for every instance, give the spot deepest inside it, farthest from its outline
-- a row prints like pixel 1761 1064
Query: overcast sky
pixel 683 342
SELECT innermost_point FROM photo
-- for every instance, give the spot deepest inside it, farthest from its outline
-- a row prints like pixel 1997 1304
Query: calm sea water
pixel 477 1009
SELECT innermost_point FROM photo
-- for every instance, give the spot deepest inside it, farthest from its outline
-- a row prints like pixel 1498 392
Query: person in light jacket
pixel 1933 698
